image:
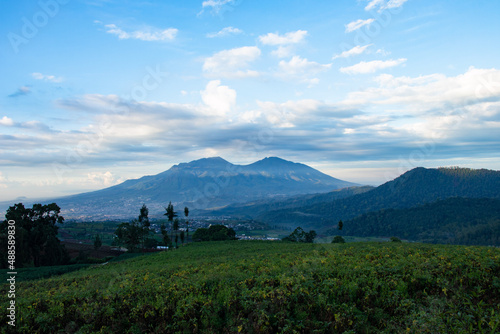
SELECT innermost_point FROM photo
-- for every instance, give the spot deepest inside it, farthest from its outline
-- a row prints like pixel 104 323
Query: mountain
pixel 416 187
pixel 456 220
pixel 200 184
pixel 257 208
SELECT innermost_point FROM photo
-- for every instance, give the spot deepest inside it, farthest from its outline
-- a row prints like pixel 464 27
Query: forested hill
pixel 468 221
pixel 416 187
pixel 255 208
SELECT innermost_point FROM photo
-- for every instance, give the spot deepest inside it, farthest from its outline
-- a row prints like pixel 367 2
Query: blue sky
pixel 95 92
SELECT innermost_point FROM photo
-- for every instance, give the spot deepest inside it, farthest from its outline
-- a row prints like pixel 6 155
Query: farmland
pixel 273 287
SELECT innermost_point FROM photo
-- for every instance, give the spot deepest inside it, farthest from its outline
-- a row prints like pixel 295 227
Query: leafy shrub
pixel 338 240
pixel 214 233
pixel 395 239
pixel 299 235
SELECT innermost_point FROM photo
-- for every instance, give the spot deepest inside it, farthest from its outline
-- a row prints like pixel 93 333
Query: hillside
pixel 469 221
pixel 257 208
pixel 416 187
pixel 273 287
pixel 200 184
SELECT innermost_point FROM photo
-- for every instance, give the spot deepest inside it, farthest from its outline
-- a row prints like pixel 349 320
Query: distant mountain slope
pixel 470 221
pixel 204 183
pixel 260 207
pixel 415 187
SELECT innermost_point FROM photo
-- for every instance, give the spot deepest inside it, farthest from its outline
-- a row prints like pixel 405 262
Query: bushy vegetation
pixel 274 287
pixel 338 240
pixel 214 233
pixel 469 221
pixel 299 235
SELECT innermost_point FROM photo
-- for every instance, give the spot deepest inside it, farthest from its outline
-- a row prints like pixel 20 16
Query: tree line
pixel 137 234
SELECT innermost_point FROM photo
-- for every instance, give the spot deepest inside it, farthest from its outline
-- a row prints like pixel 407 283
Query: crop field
pixel 273 287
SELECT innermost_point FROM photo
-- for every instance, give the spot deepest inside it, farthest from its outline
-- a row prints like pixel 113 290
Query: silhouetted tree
pixel 136 232
pixel 395 239
pixel 97 242
pixel 341 224
pixel 186 213
pixel 176 229
pixel 144 223
pixel 129 234
pixel 299 235
pixel 36 235
pixel 171 214
pixel 338 240
pixel 166 239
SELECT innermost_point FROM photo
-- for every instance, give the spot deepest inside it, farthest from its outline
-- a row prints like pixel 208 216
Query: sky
pixel 95 92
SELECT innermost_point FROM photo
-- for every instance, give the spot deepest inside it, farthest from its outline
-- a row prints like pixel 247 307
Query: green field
pixel 273 287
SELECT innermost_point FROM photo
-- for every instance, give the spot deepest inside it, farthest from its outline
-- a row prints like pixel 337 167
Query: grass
pixel 274 287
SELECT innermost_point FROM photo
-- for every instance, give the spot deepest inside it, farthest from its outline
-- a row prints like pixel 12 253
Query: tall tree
pixel 144 222
pixel 340 225
pixel 166 239
pixel 129 234
pixel 182 237
pixel 171 214
pixel 176 229
pixel 36 234
pixel 97 242
pixel 186 213
pixel 136 232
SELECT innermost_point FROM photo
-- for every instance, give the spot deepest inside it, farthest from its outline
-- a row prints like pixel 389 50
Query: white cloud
pixel 51 78
pixel 298 65
pixel 103 179
pixel 225 32
pixel 371 66
pixel 383 52
pixel 282 51
pixel 355 25
pixel 220 99
pixel 232 63
pixel 21 91
pixel 301 69
pixel 435 91
pixel 6 121
pixel 282 115
pixel 357 50
pixel 149 34
pixel 292 37
pixel 384 4
pixel 216 5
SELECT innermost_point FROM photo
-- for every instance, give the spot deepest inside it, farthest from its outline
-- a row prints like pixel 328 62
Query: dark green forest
pixel 468 221
pixel 416 187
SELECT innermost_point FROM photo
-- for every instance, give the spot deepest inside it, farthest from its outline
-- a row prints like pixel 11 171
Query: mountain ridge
pixel 415 187
pixel 200 184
